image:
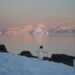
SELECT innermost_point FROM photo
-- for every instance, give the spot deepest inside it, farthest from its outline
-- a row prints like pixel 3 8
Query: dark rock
pixel 47 58
pixel 27 54
pixel 63 58
pixel 3 48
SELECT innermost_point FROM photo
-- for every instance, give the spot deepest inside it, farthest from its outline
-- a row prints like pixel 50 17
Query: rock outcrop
pixel 3 48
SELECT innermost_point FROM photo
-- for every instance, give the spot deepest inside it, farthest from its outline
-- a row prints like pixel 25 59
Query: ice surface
pixel 20 65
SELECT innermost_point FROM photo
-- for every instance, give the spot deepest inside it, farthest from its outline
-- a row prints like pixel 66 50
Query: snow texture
pixel 20 65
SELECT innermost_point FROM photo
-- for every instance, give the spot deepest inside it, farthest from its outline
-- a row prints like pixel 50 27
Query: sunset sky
pixel 18 13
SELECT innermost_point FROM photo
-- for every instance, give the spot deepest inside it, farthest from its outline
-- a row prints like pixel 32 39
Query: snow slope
pixel 19 65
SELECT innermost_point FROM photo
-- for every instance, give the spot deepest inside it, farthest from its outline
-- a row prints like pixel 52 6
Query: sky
pixel 19 13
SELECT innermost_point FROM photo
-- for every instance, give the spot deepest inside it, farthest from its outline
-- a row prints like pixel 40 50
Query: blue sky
pixel 21 12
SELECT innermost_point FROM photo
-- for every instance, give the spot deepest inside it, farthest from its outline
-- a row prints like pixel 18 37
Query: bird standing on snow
pixel 40 53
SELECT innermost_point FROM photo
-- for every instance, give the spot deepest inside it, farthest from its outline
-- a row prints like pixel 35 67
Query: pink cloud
pixel 13 30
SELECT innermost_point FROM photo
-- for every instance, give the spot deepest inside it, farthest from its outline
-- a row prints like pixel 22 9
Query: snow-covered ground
pixel 19 65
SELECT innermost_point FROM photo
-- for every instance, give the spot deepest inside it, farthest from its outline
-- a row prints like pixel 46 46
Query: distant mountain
pixel 40 30
pixel 27 29
pixel 73 30
pixel 13 30
pixel 62 30
pixel 65 30
pixel 0 33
